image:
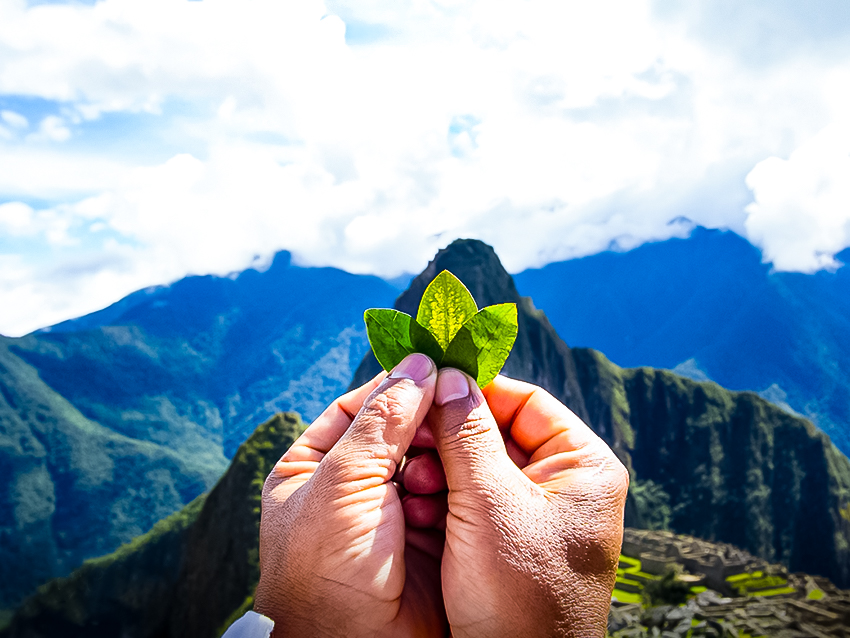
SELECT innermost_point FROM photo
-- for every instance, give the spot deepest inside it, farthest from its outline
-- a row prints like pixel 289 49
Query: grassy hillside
pixel 182 578
pixel 71 488
pixel 160 388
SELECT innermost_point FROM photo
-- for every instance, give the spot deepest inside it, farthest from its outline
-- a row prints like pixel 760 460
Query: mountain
pixel 214 354
pixel 720 465
pixel 112 421
pixel 707 307
pixel 63 475
pixel 184 577
pixel 725 466
pixel 538 355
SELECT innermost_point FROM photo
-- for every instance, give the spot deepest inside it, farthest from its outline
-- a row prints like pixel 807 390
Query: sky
pixel 145 140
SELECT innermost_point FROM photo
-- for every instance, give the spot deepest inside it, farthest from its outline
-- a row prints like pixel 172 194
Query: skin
pixel 422 506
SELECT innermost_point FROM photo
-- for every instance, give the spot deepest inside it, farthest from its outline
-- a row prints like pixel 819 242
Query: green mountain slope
pixel 726 466
pixel 177 376
pixel 71 488
pixel 184 577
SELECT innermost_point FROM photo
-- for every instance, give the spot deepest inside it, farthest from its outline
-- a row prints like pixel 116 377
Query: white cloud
pixel 15 120
pixel 16 218
pixel 549 129
pixel 20 220
pixel 46 173
pixel 120 55
pixel 46 293
pixel 52 129
pixel 801 213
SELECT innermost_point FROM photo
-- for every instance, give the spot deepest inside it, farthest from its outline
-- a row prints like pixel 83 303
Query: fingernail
pixel 414 366
pixel 451 385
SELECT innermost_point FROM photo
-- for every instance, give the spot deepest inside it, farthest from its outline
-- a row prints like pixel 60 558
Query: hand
pixel 336 558
pixel 535 510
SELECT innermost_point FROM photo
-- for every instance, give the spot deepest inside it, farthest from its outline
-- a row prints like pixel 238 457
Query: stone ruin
pixel 805 607
pixel 714 561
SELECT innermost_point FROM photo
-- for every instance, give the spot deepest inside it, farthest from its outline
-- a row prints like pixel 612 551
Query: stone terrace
pixel 745 595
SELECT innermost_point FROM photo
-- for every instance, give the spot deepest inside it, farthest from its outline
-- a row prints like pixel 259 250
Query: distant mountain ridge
pixel 111 421
pixel 707 307
pixel 214 340
pixel 716 464
pixel 166 383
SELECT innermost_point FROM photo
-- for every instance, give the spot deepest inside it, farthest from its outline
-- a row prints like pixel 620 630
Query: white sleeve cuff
pixel 251 625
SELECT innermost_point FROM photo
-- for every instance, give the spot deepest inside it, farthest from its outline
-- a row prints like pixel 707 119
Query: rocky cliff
pixel 538 356
pixel 725 466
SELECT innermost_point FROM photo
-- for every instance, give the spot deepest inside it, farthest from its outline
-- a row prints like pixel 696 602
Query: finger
pixel 468 439
pixel 424 474
pixel 331 424
pixel 516 453
pixel 423 437
pixel 300 461
pixel 385 425
pixel 425 510
pixel 555 440
pixel 534 417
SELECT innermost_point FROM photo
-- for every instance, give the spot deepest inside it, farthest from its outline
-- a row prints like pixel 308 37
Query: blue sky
pixel 143 140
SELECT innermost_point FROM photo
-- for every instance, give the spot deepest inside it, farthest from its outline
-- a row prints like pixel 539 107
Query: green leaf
pixel 424 342
pixel 449 328
pixel 389 335
pixel 393 335
pixel 482 345
pixel 446 305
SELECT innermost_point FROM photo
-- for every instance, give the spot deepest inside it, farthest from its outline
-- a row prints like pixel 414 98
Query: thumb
pixel 466 434
pixel 383 429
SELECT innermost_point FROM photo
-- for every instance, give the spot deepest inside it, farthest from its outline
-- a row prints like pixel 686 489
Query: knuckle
pixel 332 466
pixel 459 422
pixel 387 406
pixel 271 482
pixel 470 427
pixel 382 406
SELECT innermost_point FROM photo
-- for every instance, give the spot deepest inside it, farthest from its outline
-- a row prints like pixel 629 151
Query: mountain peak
pixel 539 356
pixel 475 264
